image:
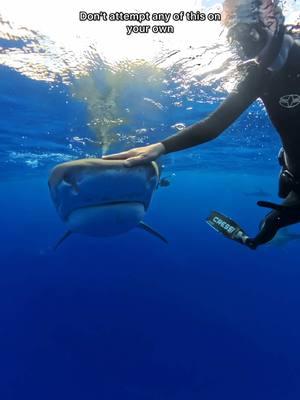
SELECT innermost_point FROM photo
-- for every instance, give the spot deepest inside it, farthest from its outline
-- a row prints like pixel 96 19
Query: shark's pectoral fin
pixel 62 239
pixel 147 228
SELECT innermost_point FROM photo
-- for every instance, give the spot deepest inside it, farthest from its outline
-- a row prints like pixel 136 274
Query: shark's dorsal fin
pixel 147 228
pixel 62 239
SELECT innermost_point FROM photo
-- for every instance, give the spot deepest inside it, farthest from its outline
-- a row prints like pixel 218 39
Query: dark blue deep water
pixel 129 317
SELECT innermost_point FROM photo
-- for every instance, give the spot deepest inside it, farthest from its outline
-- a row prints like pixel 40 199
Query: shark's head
pixel 102 197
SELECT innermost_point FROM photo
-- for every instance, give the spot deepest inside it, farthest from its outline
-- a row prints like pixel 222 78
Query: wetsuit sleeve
pixel 245 92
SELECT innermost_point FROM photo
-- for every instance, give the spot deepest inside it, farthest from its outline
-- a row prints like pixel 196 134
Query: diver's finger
pixel 130 162
pixel 118 156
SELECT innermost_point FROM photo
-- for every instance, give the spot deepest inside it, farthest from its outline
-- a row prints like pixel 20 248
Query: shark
pixel 258 193
pixel 284 236
pixel 101 198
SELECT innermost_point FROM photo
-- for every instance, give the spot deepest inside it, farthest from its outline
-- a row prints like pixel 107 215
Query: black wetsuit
pixel 280 93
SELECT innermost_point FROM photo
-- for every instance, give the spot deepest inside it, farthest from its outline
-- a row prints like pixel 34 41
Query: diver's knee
pixel 272 221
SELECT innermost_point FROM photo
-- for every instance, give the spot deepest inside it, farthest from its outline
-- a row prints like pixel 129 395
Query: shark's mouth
pixel 107 204
pixel 106 219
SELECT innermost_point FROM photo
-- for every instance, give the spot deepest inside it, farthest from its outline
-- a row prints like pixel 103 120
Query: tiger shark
pixel 284 236
pixel 98 197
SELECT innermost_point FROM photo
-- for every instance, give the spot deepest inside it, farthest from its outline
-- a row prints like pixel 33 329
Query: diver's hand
pixel 139 155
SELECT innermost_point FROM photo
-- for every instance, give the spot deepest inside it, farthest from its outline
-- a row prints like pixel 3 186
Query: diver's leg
pixel 275 220
pixel 268 229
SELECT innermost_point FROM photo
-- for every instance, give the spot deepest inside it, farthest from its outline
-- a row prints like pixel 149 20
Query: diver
pixel 270 70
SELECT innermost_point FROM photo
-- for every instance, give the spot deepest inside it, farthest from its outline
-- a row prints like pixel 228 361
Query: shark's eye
pixel 71 180
pixel 68 178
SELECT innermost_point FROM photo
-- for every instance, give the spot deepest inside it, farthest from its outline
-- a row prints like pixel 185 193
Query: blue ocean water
pixel 129 317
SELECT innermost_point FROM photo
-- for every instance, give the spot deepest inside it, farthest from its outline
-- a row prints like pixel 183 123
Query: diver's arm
pixel 139 155
pixel 201 132
pixel 209 128
pixel 242 96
